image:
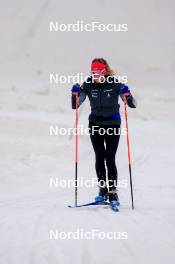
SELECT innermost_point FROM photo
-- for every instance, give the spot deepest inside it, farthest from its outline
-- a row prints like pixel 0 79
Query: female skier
pixel 103 91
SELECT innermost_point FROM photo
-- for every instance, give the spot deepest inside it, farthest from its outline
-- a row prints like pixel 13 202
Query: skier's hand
pixel 75 91
pixel 75 88
pixel 125 91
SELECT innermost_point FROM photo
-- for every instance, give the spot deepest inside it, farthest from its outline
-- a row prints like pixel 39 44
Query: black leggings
pixel 105 147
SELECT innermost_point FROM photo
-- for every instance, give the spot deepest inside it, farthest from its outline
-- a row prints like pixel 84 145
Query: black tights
pixel 105 147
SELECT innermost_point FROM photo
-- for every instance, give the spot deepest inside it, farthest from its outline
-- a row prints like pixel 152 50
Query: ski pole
pixel 128 146
pixel 76 149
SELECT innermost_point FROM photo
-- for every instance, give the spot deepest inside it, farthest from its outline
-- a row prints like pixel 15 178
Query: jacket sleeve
pixel 81 97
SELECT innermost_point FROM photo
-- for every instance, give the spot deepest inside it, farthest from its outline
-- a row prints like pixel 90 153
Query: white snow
pixel 29 157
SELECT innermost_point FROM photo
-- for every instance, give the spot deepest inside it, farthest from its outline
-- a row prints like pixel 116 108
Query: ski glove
pixel 75 88
pixel 75 91
pixel 124 90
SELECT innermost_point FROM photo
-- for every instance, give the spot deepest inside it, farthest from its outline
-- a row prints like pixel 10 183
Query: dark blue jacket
pixel 103 99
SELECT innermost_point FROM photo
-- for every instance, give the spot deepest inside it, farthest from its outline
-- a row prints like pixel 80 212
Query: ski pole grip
pixel 126 94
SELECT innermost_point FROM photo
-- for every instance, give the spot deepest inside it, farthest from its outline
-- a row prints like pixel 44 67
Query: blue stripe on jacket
pixel 114 116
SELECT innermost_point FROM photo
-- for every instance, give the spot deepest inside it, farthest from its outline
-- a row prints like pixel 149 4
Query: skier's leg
pixel 99 149
pixel 112 142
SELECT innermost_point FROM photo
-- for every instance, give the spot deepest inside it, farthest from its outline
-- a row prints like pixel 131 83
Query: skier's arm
pixel 76 89
pixel 130 100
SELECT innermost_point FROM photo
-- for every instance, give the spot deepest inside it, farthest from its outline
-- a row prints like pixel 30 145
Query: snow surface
pixel 29 156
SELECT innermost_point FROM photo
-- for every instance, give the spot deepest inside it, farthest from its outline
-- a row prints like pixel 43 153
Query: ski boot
pixel 102 196
pixel 113 199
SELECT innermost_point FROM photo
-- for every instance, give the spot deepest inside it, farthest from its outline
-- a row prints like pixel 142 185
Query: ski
pixel 114 207
pixel 89 204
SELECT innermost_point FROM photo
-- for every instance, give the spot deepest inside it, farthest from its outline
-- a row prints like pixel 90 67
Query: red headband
pixel 98 66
